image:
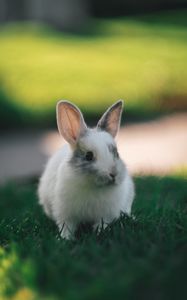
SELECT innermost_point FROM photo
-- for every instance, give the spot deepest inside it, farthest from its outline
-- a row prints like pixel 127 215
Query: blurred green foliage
pixel 132 259
pixel 141 59
pixel 121 7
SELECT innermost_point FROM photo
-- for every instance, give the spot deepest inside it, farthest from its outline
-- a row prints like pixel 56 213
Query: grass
pixel 141 59
pixel 141 258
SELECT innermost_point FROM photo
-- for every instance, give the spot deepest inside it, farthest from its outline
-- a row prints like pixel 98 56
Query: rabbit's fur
pixel 86 181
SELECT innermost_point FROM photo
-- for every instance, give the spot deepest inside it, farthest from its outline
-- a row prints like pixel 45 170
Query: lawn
pixel 141 59
pixel 140 258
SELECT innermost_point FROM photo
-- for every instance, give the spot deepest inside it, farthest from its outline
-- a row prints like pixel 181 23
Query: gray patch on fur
pixel 113 149
pixel 79 161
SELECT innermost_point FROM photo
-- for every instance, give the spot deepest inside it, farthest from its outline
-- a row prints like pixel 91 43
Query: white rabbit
pixel 86 181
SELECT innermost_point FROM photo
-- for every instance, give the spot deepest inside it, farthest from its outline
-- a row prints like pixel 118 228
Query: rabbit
pixel 86 180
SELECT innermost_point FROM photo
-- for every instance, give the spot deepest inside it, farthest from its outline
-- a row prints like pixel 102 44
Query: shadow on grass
pixel 135 258
pixel 11 115
pixel 95 28
pixel 163 18
pixel 14 116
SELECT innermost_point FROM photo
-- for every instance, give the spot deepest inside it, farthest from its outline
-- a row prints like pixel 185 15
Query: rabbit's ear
pixel 111 119
pixel 70 121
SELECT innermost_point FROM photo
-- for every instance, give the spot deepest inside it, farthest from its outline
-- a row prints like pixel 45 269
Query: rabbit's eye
pixel 89 156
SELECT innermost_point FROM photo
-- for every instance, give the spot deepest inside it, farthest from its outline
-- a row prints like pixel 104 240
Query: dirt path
pixel 156 147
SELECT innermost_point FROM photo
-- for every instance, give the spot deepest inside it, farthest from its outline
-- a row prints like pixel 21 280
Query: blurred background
pixel 93 53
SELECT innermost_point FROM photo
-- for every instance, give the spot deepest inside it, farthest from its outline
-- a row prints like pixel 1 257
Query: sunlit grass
pixel 142 60
pixel 180 172
pixel 16 276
